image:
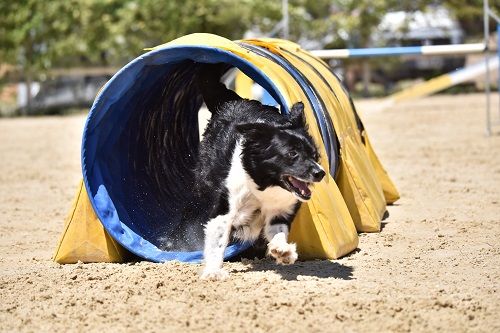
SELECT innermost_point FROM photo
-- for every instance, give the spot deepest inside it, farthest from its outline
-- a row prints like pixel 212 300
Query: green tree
pixel 38 34
pixel 470 14
pixel 146 23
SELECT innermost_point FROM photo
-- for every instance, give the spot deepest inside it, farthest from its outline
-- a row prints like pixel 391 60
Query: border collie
pixel 255 167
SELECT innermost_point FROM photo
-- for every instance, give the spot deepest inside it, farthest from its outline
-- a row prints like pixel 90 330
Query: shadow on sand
pixel 322 269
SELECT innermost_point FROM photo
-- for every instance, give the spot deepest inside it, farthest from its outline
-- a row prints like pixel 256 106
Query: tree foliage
pixel 42 34
pixel 39 35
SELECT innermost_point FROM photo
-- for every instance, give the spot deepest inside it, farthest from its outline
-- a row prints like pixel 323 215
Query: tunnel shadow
pixel 322 269
pixel 382 226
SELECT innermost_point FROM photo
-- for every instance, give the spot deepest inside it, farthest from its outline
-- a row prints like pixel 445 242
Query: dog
pixel 255 168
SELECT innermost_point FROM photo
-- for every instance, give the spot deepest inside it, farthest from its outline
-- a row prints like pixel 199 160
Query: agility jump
pixel 444 81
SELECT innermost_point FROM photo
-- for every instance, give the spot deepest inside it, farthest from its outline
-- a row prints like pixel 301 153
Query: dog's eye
pixel 293 154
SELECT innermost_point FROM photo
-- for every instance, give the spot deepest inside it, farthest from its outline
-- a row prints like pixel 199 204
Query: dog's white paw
pixel 284 253
pixel 219 274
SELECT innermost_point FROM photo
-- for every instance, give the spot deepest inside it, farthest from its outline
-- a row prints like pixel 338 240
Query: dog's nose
pixel 318 175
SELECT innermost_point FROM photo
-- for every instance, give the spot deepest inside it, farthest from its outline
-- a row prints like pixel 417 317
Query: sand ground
pixel 434 267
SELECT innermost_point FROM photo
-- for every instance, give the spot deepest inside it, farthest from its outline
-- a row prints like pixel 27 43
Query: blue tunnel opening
pixel 140 143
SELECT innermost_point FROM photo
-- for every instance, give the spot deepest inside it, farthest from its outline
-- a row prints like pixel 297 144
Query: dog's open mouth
pixel 298 187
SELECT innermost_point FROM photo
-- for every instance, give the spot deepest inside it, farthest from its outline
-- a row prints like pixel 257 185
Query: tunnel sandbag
pixel 141 139
pixel 84 238
pixel 391 192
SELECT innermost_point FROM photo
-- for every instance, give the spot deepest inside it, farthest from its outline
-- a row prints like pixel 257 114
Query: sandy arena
pixel 434 267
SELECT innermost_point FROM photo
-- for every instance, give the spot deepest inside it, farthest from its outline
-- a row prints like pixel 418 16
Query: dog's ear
pixel 255 130
pixel 297 115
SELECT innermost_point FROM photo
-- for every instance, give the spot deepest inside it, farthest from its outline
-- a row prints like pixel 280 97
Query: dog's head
pixel 282 154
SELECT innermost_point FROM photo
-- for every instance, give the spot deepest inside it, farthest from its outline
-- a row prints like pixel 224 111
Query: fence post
pixel 498 54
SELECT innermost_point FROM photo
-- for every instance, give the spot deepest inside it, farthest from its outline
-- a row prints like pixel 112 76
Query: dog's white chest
pixel 243 194
pixel 275 201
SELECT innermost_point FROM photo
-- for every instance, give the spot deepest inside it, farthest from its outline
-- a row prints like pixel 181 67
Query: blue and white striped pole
pixel 452 49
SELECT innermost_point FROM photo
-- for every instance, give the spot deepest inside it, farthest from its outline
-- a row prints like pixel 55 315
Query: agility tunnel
pixel 141 138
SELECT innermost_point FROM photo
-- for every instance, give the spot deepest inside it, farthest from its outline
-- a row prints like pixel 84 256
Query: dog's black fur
pixel 273 147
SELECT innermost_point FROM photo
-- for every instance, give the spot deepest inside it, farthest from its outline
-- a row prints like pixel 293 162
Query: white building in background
pixel 434 26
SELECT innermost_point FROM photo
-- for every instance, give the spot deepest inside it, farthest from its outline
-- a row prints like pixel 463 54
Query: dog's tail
pixel 214 92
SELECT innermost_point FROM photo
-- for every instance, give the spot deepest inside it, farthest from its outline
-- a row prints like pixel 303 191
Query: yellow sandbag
pixel 84 238
pixel 323 230
pixel 357 178
pixel 391 193
pixel 362 181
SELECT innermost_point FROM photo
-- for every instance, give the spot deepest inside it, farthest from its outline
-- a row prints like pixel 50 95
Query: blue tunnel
pixel 140 145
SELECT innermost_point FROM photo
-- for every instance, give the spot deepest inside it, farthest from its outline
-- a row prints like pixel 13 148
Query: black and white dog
pixel 255 167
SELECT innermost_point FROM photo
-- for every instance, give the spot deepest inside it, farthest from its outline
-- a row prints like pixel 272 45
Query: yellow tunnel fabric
pixel 357 178
pixel 390 191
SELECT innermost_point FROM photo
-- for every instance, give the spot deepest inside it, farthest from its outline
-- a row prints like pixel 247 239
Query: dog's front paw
pixel 214 274
pixel 284 253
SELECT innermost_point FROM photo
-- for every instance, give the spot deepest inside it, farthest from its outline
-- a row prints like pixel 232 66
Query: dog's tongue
pixel 302 186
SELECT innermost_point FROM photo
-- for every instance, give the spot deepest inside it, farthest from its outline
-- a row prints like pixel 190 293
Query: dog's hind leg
pixel 276 232
pixel 217 233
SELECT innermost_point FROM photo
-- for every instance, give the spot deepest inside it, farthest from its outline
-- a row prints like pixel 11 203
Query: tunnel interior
pixel 140 145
